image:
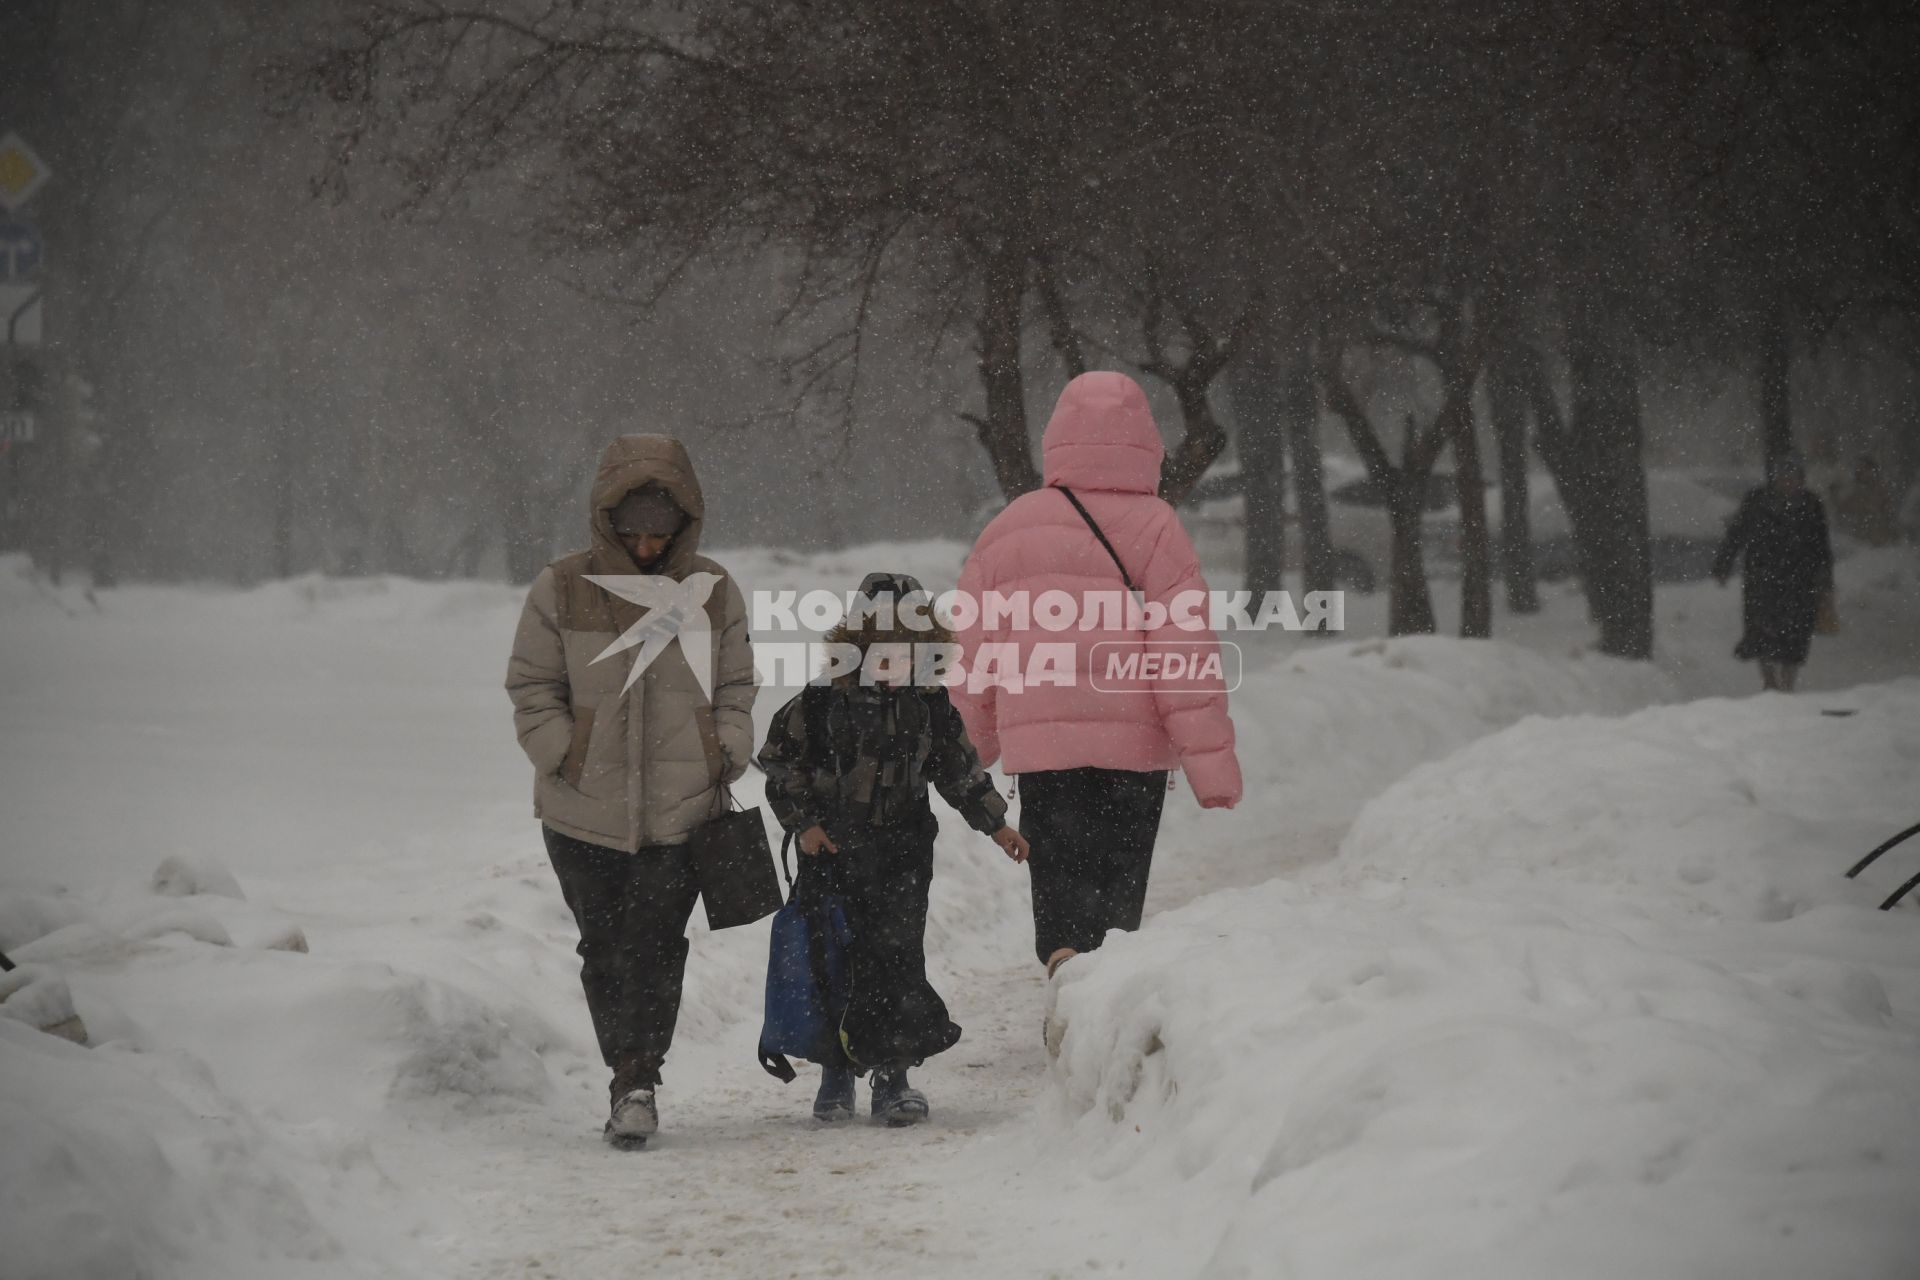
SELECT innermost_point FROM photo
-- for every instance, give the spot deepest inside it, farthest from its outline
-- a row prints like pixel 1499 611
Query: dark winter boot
pixel 635 1118
pixel 895 1102
pixel 835 1101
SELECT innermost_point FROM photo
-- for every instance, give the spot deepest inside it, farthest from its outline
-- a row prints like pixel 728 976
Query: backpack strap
pixel 777 1066
pixel 1100 533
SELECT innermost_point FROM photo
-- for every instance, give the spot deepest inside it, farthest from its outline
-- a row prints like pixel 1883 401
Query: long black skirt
pixel 882 875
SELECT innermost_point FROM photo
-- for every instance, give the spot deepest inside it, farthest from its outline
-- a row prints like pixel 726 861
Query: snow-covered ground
pixel 1516 961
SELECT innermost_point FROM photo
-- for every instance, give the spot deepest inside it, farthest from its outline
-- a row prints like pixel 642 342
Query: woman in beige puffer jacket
pixel 627 765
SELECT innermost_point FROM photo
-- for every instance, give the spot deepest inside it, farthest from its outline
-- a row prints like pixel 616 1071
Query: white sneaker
pixel 635 1118
pixel 1053 1031
pixel 1053 1027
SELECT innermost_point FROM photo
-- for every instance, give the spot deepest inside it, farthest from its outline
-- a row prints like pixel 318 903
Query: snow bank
pixel 29 913
pixel 178 877
pixel 1322 730
pixel 39 998
pixel 108 1172
pixel 1744 809
pixel 199 901
pixel 1879 585
pixel 1589 998
pixel 226 1122
pixel 1358 716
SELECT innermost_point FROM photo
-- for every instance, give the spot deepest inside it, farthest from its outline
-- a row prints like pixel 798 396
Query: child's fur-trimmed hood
pixel 866 631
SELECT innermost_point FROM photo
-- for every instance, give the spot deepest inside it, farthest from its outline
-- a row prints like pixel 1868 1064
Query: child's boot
pixel 835 1101
pixel 895 1102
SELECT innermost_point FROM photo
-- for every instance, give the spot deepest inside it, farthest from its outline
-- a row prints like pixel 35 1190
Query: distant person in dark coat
pixel 1782 529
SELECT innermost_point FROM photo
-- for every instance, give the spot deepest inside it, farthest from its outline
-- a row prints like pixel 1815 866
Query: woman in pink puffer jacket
pixel 1093 761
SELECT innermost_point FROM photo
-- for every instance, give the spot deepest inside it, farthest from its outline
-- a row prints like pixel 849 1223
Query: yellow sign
pixel 21 172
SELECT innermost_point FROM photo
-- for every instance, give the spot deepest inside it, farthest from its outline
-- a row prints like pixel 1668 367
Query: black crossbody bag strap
pixel 1100 533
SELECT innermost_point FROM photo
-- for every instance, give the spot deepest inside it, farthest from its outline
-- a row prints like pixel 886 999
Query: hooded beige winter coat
pixel 645 766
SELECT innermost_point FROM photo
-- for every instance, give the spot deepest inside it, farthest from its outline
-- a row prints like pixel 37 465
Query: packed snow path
pixel 740 1181
pixel 418 1095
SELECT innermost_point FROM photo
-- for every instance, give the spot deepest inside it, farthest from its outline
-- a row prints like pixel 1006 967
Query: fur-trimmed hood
pixel 629 463
pixel 869 632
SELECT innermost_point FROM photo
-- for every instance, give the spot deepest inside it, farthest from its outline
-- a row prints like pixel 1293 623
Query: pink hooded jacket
pixel 1102 444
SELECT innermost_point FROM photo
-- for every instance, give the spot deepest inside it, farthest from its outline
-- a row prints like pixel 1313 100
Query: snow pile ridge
pixel 1590 997
pixel 1325 730
pixel 106 1173
pixel 1749 808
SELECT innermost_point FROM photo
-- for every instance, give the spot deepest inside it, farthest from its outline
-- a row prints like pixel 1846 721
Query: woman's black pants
pixel 1092 834
pixel 632 909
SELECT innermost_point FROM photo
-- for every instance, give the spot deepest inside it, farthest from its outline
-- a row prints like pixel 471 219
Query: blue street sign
pixel 21 251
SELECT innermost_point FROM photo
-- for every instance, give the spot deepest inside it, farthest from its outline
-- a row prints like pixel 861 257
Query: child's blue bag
pixel 807 978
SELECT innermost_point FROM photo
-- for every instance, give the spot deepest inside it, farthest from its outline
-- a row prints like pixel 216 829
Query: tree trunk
pixel 1776 385
pixel 1060 330
pixel 1476 552
pixel 1253 389
pixel 1608 474
pixel 1302 401
pixel 1003 431
pixel 1507 403
pixel 1201 444
pixel 1409 607
pixel 1410 603
pixel 1555 446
